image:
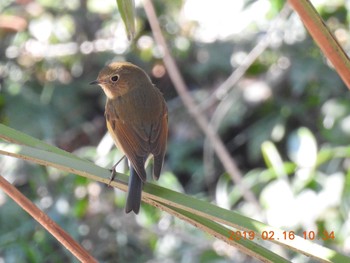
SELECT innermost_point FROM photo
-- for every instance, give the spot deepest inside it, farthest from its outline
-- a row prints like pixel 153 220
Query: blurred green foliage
pixel 286 123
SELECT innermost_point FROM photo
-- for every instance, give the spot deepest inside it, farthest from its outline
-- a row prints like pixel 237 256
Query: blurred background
pixel 284 116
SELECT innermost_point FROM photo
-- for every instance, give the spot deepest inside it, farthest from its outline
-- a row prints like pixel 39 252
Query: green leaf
pixel 12 135
pixel 302 148
pixel 206 216
pixel 127 12
pixel 272 158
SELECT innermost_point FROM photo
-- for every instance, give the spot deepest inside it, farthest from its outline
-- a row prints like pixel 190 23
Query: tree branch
pixel 323 37
pixel 174 73
pixel 65 239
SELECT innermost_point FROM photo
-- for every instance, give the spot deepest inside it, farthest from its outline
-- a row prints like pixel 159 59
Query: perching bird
pixel 137 119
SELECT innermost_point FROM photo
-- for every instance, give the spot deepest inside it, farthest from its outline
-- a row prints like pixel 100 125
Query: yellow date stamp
pixel 284 235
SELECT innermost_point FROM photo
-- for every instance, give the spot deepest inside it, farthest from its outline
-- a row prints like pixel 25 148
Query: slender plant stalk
pixel 62 236
pixel 323 37
pixel 174 73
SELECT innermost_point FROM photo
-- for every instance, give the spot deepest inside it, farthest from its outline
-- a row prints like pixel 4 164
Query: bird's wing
pixel 158 142
pixel 128 140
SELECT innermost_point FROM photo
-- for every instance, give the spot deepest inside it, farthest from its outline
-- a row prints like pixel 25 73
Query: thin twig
pixel 237 74
pixel 174 73
pixel 323 37
pixel 66 240
pixel 225 93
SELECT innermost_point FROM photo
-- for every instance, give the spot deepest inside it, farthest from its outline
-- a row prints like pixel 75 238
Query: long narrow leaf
pixel 17 137
pixel 223 233
pixel 127 12
pixel 156 194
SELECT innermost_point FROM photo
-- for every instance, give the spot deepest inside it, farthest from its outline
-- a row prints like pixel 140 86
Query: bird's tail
pixel 134 193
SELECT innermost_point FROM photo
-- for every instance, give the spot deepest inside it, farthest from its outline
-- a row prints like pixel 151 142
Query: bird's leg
pixel 113 172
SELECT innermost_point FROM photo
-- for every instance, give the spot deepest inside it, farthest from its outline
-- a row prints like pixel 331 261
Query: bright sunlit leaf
pixel 272 158
pixel 127 12
pixel 302 148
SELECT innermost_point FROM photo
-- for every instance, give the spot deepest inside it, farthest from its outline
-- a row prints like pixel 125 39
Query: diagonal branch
pixel 66 240
pixel 222 91
pixel 323 37
pixel 224 96
pixel 174 73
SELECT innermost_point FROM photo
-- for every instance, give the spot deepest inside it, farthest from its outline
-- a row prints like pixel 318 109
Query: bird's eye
pixel 115 78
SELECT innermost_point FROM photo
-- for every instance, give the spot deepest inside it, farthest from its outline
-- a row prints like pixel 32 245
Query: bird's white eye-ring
pixel 115 78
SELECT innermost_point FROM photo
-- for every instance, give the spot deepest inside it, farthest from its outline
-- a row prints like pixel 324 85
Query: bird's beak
pixel 95 82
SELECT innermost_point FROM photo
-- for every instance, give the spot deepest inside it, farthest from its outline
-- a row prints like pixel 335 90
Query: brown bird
pixel 137 118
